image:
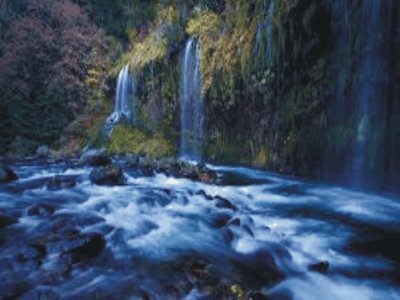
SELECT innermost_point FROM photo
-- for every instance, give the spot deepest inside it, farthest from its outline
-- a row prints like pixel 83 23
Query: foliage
pixel 164 33
pixel 43 68
pixel 125 139
pixel 118 17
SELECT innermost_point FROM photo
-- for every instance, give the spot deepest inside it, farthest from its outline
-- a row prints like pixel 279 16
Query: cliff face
pixel 301 87
pixel 263 69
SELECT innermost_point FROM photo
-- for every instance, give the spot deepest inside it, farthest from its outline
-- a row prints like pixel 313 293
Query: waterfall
pixel 363 81
pixel 123 109
pixel 191 103
pixel 264 29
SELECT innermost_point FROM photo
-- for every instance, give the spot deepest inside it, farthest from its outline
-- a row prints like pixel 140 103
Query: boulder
pixel 320 267
pixel 59 182
pixel 42 151
pixel 41 210
pixel 220 220
pixel 31 184
pixel 262 267
pixel 224 203
pixel 109 175
pixel 67 222
pixel 94 158
pixel 7 220
pixel 81 245
pixel 146 162
pixel 6 174
pixel 204 194
pixel 31 253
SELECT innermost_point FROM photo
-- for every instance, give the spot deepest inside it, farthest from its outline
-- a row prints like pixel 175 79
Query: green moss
pixel 152 49
pixel 165 31
pixel 125 139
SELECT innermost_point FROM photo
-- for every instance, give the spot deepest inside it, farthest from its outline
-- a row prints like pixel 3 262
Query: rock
pixel 263 267
pixel 235 222
pixel 220 220
pixel 42 293
pixel 42 151
pixel 41 210
pixel 109 175
pixel 205 195
pixel 31 184
pixel 31 254
pixel 258 296
pixel 227 235
pixel 67 222
pixel 145 162
pixel 61 182
pixel 6 174
pixel 7 220
pixel 153 199
pixel 224 203
pixel 321 267
pixel 91 245
pixel 94 158
pixel 132 160
pixel 248 230
pixel 81 245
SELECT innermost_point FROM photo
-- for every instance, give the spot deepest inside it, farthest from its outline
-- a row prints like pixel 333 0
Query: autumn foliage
pixel 49 47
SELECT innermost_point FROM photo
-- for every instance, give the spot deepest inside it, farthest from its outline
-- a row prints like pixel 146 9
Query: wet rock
pixel 224 203
pixel 248 230
pixel 238 179
pixel 173 167
pixel 6 174
pixel 258 296
pixel 41 210
pixel 82 245
pixel 91 245
pixel 234 222
pixel 28 185
pixel 12 287
pixel 155 198
pixel 61 182
pixel 42 293
pixel 42 151
pixel 7 220
pixel 227 235
pixel 261 268
pixel 220 220
pixel 68 222
pixel 31 254
pixel 109 175
pixel 132 160
pixel 94 158
pixel 204 194
pixel 320 267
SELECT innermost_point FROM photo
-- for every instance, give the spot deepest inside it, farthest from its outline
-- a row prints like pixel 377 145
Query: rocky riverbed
pixel 135 228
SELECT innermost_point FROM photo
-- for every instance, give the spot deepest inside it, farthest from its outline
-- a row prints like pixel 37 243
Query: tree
pixel 43 68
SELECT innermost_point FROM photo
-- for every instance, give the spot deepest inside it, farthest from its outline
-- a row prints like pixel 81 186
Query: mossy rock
pixel 126 139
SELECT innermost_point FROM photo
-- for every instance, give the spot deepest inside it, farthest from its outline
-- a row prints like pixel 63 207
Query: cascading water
pixel 191 103
pixel 264 29
pixel 364 35
pixel 123 110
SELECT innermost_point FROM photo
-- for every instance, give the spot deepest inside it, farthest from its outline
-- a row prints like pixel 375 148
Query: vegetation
pixel 268 77
pixel 125 139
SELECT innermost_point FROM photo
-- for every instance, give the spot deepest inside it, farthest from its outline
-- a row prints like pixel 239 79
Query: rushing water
pixel 167 238
pixel 264 29
pixel 123 109
pixel 365 109
pixel 191 103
